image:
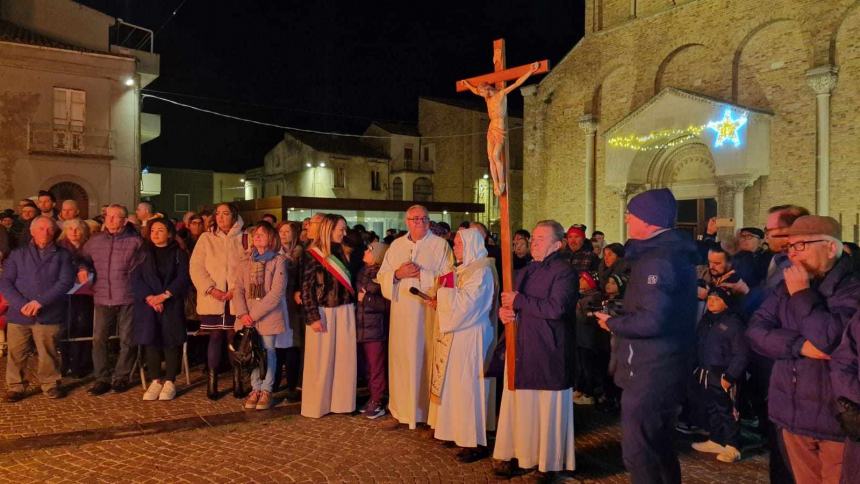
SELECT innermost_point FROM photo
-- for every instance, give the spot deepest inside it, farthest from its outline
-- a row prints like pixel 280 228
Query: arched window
pixel 397 189
pixel 422 190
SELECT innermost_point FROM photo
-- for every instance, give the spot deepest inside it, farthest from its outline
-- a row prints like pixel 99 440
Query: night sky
pixel 321 64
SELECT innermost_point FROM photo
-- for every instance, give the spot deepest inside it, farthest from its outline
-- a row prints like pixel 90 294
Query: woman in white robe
pixel 462 400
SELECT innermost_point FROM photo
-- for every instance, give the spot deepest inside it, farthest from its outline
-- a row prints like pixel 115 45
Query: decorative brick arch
pixel 748 38
pixel 67 190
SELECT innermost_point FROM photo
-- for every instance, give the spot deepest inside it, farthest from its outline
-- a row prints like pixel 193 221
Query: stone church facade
pixel 744 103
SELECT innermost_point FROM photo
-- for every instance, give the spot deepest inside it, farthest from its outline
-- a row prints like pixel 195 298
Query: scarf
pixel 257 288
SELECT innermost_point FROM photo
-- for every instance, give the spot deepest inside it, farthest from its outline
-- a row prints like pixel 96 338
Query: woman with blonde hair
pixel 76 354
pixel 261 302
pixel 328 297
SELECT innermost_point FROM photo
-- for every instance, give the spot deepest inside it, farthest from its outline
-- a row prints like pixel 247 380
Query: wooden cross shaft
pixel 499 78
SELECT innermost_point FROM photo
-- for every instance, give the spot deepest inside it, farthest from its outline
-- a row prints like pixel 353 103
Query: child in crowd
pixel 372 327
pixel 721 358
pixel 588 372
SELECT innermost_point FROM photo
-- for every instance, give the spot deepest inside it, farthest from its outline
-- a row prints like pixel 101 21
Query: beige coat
pixel 270 313
pixel 214 263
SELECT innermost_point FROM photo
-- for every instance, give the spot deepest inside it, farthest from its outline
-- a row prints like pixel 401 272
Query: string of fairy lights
pixel 726 130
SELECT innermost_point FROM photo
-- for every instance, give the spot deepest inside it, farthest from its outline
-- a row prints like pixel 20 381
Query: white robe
pixel 467 407
pixel 536 428
pixel 412 324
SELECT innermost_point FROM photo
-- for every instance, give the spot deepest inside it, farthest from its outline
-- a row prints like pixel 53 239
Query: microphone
pixel 417 292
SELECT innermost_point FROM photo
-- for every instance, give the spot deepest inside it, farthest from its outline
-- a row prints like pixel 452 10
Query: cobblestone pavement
pixel 118 437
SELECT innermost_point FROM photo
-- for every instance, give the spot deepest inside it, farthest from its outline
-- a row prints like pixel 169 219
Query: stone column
pixel 588 123
pixel 822 80
pixel 730 198
pixel 621 193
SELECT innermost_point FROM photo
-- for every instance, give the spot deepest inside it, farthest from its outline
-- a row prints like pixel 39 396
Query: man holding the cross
pixel 536 419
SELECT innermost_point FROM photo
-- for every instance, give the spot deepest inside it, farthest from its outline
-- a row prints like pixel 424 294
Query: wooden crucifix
pixel 492 87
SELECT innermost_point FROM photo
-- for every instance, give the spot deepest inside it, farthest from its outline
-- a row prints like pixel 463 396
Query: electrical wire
pixel 301 130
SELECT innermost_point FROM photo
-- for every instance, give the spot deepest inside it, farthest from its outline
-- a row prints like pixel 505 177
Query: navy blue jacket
pixel 721 345
pixel 845 363
pixel 801 397
pixel 46 278
pixel 548 291
pixel 371 321
pixel 152 276
pixel 660 305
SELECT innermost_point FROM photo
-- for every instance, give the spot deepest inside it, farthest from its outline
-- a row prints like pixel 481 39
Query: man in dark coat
pixel 798 326
pixel 654 336
pixel 35 280
pixel 536 421
pixel 845 376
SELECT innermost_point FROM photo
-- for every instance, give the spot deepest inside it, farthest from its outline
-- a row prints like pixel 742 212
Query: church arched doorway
pixel 72 191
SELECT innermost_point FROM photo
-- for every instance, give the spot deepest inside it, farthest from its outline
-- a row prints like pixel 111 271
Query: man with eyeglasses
pixel 798 326
pixel 415 260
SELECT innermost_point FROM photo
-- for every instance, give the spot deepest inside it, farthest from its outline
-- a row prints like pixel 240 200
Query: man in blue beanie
pixel 655 335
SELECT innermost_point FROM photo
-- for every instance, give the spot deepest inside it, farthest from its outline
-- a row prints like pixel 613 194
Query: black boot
pixel 238 388
pixel 212 385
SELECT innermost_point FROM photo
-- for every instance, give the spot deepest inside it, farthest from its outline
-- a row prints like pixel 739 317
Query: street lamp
pixel 322 164
pixel 308 165
pixel 129 81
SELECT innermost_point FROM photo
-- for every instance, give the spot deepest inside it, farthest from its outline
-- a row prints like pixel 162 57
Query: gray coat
pixel 269 313
pixel 112 256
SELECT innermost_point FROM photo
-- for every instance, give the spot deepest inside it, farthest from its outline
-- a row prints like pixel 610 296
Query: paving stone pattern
pixel 121 438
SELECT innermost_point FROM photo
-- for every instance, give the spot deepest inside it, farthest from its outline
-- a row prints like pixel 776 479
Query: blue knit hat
pixel 656 207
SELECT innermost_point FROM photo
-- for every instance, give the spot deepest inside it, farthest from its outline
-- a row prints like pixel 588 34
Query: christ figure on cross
pixel 497 108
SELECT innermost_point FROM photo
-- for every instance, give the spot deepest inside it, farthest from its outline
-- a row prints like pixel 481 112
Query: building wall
pixel 461 162
pixel 745 52
pixel 285 172
pixel 228 187
pixel 198 184
pixel 108 170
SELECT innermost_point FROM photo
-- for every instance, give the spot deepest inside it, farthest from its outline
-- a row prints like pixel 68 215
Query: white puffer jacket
pixel 214 264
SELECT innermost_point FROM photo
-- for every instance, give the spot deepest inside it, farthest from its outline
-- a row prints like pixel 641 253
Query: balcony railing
pixel 412 165
pixel 51 139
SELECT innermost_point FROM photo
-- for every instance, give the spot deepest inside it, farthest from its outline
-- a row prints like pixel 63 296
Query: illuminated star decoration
pixel 727 129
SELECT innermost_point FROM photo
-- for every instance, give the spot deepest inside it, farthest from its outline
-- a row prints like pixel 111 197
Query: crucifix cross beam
pixel 501 76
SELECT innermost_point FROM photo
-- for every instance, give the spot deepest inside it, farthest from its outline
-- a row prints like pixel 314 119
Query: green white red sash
pixel 334 267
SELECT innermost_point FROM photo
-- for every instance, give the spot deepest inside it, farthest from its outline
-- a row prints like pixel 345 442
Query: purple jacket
pixel 546 342
pixel 46 278
pixel 801 397
pixel 113 257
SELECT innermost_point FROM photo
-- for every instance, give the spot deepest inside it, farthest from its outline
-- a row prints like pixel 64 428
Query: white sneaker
pixel 153 391
pixel 709 446
pixel 729 455
pixel 168 392
pixel 583 400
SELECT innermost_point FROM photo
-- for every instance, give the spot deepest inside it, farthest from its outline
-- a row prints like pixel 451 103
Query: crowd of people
pixel 677 335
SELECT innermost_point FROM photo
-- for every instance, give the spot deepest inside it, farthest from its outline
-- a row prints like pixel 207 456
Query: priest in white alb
pixel 416 260
pixel 536 418
pixel 462 400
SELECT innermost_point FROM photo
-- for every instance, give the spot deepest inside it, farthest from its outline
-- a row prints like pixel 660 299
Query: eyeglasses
pixel 801 246
pixel 417 219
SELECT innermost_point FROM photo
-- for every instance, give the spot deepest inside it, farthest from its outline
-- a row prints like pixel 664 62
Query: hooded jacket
pixel 214 265
pixel 660 305
pixel 801 397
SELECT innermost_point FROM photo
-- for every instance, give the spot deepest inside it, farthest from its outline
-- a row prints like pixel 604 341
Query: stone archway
pixel 67 190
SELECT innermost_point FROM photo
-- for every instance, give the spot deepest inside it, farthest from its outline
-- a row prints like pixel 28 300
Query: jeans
pixel 21 339
pixel 104 318
pixel 268 381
